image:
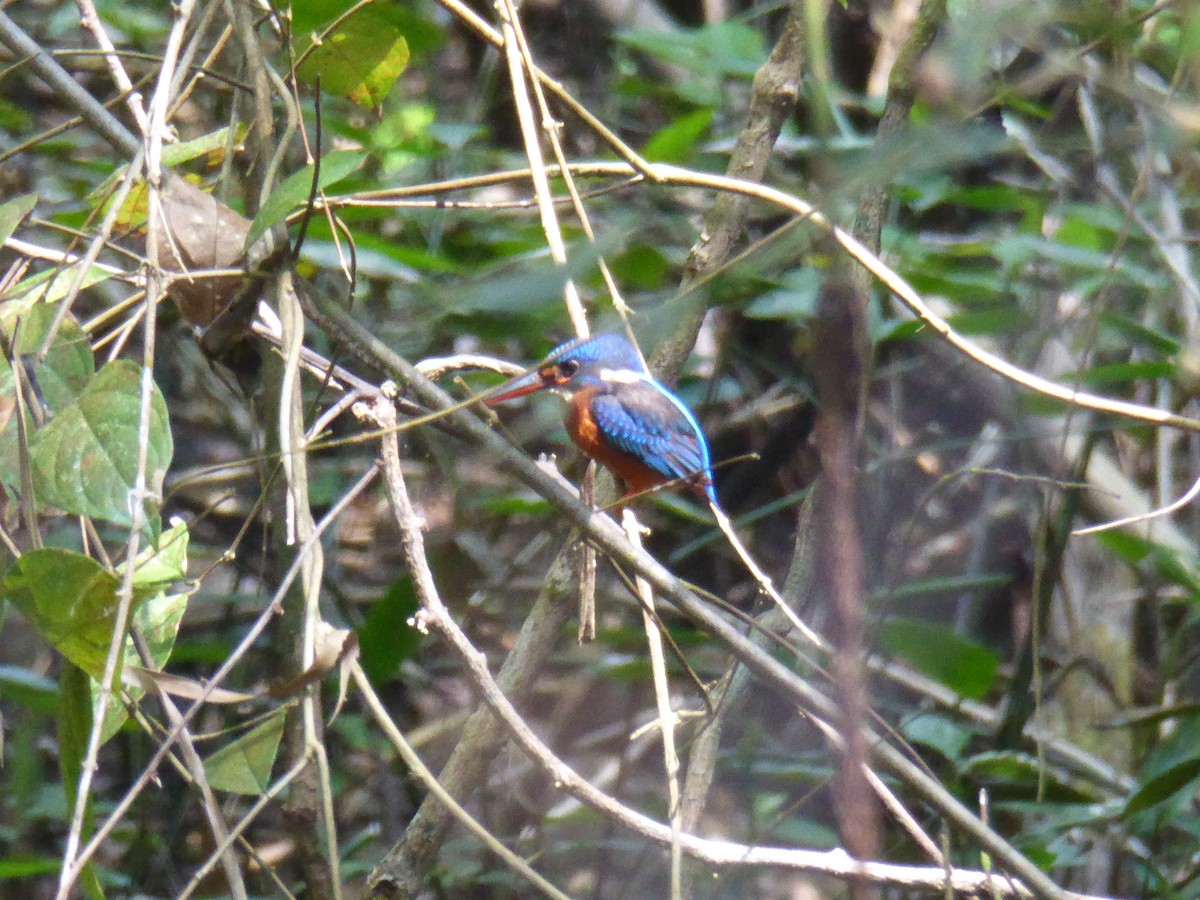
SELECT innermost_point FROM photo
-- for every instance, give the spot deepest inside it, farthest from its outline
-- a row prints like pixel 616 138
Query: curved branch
pixel 609 537
pixel 677 176
pixel 835 863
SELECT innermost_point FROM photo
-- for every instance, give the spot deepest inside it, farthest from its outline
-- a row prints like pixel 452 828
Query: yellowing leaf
pixel 361 59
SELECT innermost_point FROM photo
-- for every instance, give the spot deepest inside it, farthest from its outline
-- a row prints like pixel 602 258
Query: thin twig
pixel 609 537
pixel 537 165
pixel 139 495
pixel 238 653
pixel 413 542
pixel 417 767
pixel 666 716
pixel 91 21
pixel 267 797
pixel 222 836
pixel 68 89
pixel 496 39
pixel 301 527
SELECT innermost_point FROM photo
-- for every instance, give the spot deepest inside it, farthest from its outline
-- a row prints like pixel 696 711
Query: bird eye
pixel 569 368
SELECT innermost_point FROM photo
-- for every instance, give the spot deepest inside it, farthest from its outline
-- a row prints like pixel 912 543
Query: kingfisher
pixel 620 416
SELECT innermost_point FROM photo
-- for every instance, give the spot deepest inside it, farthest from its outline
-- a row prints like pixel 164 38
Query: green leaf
pixel 724 49
pixel 795 299
pixel 1174 782
pixel 212 144
pixel 61 377
pixel 165 562
pixel 926 587
pixel 49 286
pixel 1129 547
pixel 13 213
pixel 70 598
pixel 938 652
pixel 1127 332
pixel 641 266
pixel 1018 250
pixel 296 187
pixel 74 727
pixel 85 459
pixel 709 56
pixel 676 142
pixel 944 735
pixel 1004 765
pixel 525 285
pixel 361 59
pixel 312 16
pixel 1120 373
pixel 28 866
pixel 67 368
pixel 993 322
pixel 386 638
pixel 244 765
pixel 16 681
pixel 157 620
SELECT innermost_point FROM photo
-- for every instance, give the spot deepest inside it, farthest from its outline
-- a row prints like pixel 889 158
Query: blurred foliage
pixel 1043 196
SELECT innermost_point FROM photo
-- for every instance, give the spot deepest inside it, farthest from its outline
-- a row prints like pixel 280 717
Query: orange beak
pixel 518 387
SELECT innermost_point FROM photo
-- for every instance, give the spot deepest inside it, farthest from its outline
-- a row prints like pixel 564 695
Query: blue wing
pixel 646 421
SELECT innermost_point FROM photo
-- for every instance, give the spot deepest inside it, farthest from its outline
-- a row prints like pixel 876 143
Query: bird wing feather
pixel 645 423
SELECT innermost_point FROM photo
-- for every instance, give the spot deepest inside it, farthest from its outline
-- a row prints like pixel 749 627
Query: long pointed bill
pixel 518 387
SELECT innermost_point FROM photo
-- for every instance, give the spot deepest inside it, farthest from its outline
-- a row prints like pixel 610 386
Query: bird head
pixel 598 361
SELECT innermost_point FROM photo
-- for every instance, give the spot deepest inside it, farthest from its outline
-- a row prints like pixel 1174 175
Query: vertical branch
pixel 841 357
pixel 537 162
pixel 838 368
pixel 309 806
pixel 900 97
pixel 553 128
pixel 139 495
pixel 666 717
pixel 772 99
pixel 91 21
pixel 311 801
pixel 586 630
pixel 521 64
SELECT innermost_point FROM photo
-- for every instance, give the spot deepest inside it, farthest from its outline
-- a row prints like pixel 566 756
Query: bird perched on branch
pixel 618 415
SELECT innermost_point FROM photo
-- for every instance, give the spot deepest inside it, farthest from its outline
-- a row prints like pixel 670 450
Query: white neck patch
pixel 623 376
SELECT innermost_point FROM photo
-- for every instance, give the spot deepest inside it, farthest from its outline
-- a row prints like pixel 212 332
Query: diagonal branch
pixel 608 537
pixel 773 96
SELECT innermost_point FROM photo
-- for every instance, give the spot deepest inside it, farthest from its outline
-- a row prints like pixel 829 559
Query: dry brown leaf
pixel 197 232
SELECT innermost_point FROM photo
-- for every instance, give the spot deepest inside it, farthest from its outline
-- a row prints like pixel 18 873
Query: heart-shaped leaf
pixel 70 598
pixel 85 459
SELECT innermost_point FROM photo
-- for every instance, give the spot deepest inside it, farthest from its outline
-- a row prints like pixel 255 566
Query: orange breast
pixel 635 475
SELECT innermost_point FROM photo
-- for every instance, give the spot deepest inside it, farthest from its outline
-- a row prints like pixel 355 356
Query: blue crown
pixel 612 349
